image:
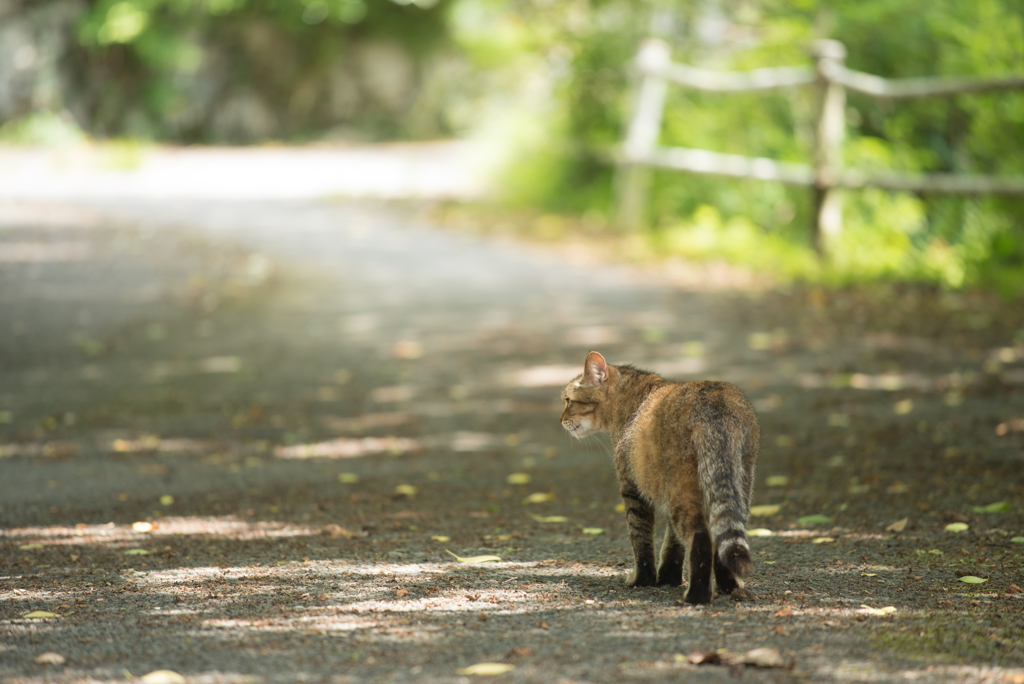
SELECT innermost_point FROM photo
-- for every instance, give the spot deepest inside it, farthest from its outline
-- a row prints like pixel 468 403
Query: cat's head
pixel 582 398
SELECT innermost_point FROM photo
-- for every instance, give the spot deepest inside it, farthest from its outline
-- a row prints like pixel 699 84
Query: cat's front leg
pixel 640 519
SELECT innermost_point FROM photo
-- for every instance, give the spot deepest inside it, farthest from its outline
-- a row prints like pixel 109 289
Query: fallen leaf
pixel 620 508
pixel 544 625
pixel 539 497
pixel 162 677
pixel 997 507
pixel 704 658
pixel 348 478
pixel 486 669
pixel 764 657
pixel 166 500
pixel 785 612
pixel 897 526
pixel 136 552
pixel 549 518
pixel 473 559
pixel 441 538
pixel 1017 540
pixel 142 527
pixel 50 658
pixel 971 579
pixel 777 481
pixel 406 490
pixel 30 547
pixel 593 530
pixel 39 614
pixel 519 651
pixel 878 612
pixel 335 531
pixel 402 592
pixel 760 532
pixel 764 511
pixel 815 519
pixel 869 574
pixel 518 478
pixel 822 540
pixel 903 407
pixel 956 527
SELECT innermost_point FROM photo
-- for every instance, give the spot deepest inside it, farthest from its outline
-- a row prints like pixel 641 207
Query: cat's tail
pixel 720 468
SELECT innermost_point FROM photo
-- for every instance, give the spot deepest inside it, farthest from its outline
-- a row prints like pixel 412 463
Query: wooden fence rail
pixel 826 174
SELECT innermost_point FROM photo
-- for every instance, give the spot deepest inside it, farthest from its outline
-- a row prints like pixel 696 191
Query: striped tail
pixel 720 469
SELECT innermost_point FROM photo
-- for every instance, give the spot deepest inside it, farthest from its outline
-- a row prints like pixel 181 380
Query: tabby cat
pixel 685 448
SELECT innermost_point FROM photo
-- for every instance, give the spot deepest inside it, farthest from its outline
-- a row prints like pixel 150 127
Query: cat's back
pixel 675 410
pixel 703 402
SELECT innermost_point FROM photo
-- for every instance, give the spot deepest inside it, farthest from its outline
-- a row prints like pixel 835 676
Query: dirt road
pixel 239 440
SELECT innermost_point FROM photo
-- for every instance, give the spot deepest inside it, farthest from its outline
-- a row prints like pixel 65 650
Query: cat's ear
pixel 595 370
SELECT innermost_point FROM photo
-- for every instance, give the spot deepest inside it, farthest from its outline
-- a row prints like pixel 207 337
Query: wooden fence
pixel 826 175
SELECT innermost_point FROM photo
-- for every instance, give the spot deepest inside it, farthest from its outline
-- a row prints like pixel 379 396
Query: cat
pixel 685 448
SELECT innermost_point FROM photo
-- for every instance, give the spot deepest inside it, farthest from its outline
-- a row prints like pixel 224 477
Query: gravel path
pixel 240 441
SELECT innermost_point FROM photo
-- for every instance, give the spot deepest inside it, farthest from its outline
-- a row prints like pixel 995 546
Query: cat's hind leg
pixel 690 528
pixel 673 553
pixel 725 581
pixel 640 519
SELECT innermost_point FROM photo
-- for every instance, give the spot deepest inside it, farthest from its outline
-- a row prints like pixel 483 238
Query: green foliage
pixel 154 61
pixel 952 241
pixel 42 129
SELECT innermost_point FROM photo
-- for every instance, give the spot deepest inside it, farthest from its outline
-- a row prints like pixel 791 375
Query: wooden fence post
pixel 632 178
pixel 829 130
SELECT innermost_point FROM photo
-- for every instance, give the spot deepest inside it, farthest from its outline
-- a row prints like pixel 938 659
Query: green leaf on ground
pixel 1017 540
pixel 956 527
pixel 40 614
pixel 549 518
pixel 971 579
pixel 473 559
pixel 593 530
pixel 30 547
pixel 518 478
pixel 815 519
pixel 760 532
pixel 997 507
pixel 406 490
pixel 348 478
pixel 777 481
pixel 441 538
pixel 764 511
pixel 136 552
pixel 539 497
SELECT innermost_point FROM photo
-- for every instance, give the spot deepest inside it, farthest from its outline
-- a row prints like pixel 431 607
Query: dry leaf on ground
pixel 50 658
pixel 764 657
pixel 486 669
pixel 897 526
pixel 878 612
pixel 162 677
